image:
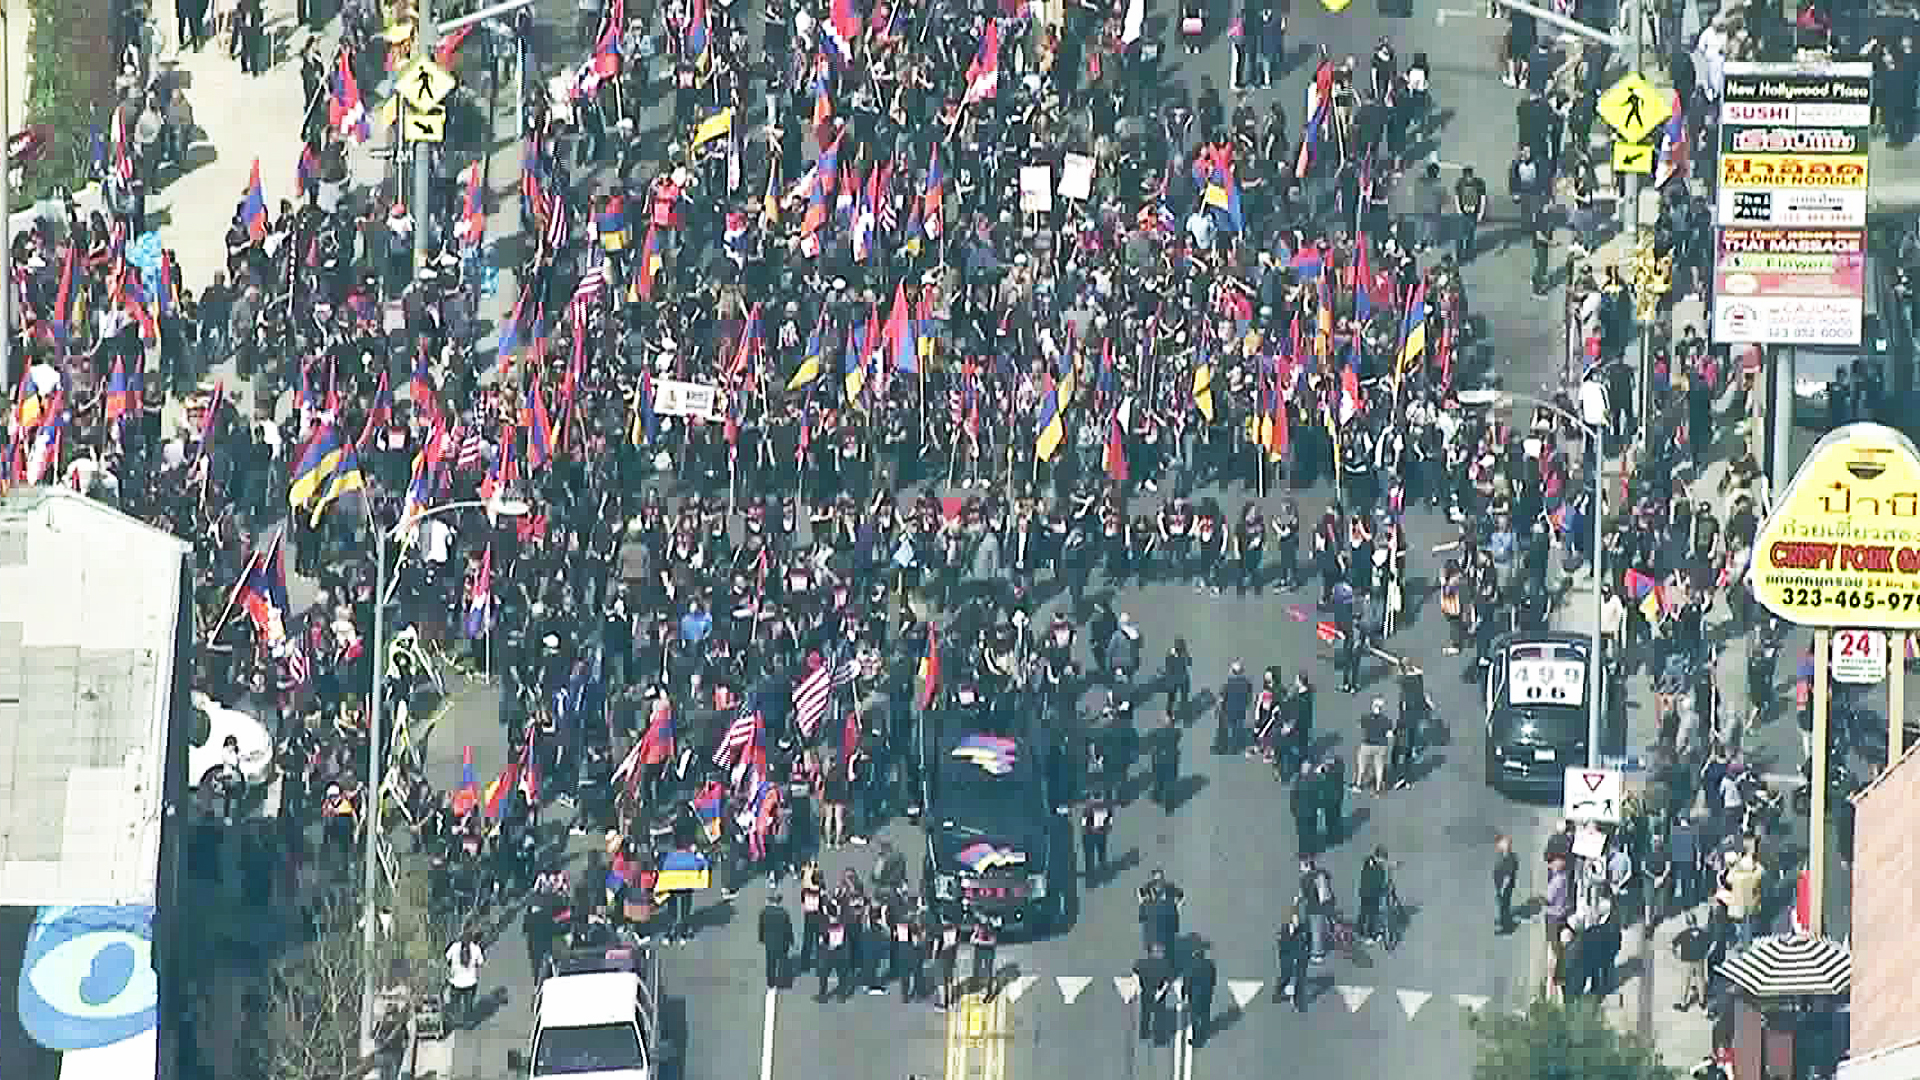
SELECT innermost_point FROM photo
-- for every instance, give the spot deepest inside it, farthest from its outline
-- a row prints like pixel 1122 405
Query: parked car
pixel 213 725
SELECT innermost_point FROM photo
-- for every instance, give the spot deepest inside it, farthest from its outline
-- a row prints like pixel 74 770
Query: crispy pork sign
pixel 1842 548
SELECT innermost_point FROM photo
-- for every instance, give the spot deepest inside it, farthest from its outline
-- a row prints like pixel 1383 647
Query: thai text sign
pixel 1842 547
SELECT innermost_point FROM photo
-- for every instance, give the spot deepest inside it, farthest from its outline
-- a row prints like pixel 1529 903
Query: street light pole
pixel 369 909
pixel 425 35
pixel 6 208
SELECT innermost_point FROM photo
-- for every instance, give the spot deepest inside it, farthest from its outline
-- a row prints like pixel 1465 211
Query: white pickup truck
pixel 597 1017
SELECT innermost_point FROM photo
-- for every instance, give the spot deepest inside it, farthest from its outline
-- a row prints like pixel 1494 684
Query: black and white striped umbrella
pixel 1791 965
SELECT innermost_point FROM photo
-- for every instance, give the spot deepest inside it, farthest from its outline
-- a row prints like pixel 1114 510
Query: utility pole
pixel 6 214
pixel 425 38
pixel 1641 367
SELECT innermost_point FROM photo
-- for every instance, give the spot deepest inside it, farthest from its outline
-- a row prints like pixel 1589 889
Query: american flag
pixel 558 223
pixel 299 668
pixel 740 737
pixel 810 699
pixel 889 208
pixel 592 283
pixel 470 450
pixel 957 402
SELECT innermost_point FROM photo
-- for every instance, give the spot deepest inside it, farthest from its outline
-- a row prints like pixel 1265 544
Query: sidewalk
pixel 1651 979
pixel 240 118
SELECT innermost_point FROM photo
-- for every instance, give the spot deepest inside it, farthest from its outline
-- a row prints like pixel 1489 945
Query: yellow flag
pixel 713 127
pixel 1203 390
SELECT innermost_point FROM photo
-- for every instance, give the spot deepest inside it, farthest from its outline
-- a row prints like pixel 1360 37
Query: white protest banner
pixel 1036 189
pixel 701 401
pixel 1076 177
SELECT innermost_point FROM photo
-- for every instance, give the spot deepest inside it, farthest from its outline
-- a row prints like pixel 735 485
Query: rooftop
pixel 600 997
pixel 89 606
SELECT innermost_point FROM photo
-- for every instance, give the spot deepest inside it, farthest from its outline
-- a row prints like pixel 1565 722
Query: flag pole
pixel 233 594
pixel 486 639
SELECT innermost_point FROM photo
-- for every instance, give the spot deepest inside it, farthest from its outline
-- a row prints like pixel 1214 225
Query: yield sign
pixel 1592 795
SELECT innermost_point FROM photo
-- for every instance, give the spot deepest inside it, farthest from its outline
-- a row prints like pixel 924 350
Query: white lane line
pixel 1071 986
pixel 766 1035
pixel 1018 987
pixel 1440 17
pixel 1183 1041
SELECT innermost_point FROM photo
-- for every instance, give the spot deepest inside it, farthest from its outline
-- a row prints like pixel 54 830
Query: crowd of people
pixel 711 542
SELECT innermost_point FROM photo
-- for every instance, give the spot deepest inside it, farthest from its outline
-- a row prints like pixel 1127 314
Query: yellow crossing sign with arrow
pixel 1633 158
pixel 1634 107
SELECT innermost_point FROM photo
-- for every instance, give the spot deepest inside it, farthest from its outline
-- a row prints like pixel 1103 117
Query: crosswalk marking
pixel 1129 987
pixel 1243 991
pixel 1411 1000
pixel 1072 986
pixel 1019 986
pixel 1354 996
pixel 1471 1002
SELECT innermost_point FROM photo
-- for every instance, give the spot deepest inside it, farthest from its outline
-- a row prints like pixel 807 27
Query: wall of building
pixel 1886 893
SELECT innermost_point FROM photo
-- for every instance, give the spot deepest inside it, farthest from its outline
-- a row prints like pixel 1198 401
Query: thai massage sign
pixel 1842 548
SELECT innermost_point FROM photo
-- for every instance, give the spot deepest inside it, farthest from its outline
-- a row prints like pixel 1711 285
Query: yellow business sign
pixel 1821 171
pixel 1634 107
pixel 1842 548
pixel 1633 158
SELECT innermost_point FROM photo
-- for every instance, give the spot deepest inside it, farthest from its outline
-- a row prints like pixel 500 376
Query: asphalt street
pixel 1066 1006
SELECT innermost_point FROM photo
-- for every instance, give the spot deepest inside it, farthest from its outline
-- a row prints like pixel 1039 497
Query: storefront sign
pixel 1842 547
pixel 1799 208
pixel 1855 116
pixel 1769 171
pixel 1815 263
pixel 1788 320
pixel 1793 141
pixel 1792 203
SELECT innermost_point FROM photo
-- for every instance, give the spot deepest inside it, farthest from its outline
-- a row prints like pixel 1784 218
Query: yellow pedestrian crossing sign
pixel 425 84
pixel 1633 158
pixel 1634 107
pixel 425 126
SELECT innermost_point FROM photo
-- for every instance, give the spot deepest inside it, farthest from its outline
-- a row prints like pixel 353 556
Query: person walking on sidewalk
pixel 1506 876
pixel 464 961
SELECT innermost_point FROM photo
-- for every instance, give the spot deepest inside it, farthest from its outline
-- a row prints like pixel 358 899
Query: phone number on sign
pixel 1856 599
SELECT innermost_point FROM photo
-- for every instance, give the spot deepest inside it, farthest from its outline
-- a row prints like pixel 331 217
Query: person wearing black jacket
pixel 1155 975
pixel 1294 946
pixel 1201 976
pixel 776 939
pixel 1506 875
pixel 1236 698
